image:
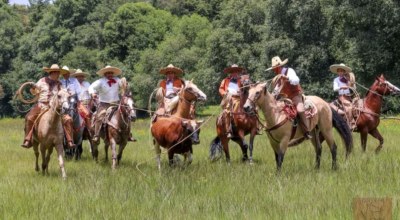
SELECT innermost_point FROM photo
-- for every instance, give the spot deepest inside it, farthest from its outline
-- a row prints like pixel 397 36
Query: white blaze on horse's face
pixel 255 93
pixel 393 89
pixel 62 97
pixel 130 104
pixel 196 91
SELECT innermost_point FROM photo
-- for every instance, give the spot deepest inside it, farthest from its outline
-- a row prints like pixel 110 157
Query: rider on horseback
pixel 106 90
pixel 46 88
pixel 289 87
pixel 74 88
pixel 344 84
pixel 229 90
pixel 170 88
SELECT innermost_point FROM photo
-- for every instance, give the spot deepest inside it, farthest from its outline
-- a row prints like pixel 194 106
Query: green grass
pixel 203 190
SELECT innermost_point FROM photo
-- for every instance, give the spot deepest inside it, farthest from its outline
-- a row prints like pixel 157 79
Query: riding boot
pixel 29 124
pixel 305 122
pixel 88 125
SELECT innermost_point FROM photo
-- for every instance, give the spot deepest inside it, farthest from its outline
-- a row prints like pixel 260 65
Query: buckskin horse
pixel 370 109
pixel 279 127
pixel 48 133
pixel 117 127
pixel 243 123
pixel 169 130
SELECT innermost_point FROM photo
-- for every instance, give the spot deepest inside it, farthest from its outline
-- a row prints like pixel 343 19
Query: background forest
pixel 202 37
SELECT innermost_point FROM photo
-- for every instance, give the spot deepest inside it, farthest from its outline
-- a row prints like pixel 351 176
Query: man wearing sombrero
pixel 342 85
pixel 47 87
pixel 289 86
pixel 82 94
pixel 229 90
pixel 106 90
pixel 170 87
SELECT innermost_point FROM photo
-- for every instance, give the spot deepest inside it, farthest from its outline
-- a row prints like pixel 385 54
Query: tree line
pixel 202 37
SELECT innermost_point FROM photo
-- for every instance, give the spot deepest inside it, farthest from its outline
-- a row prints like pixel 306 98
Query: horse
pixel 369 110
pixel 279 127
pixel 49 133
pixel 79 129
pixel 117 128
pixel 187 95
pixel 243 123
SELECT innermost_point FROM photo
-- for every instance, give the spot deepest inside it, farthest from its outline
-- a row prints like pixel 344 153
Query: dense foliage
pixel 202 37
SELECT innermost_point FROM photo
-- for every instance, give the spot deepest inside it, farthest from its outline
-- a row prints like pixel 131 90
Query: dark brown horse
pixel 117 129
pixel 243 123
pixel 370 109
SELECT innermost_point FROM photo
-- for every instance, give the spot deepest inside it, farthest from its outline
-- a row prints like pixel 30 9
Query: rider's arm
pixel 336 85
pixel 95 87
pixel 221 90
pixel 292 76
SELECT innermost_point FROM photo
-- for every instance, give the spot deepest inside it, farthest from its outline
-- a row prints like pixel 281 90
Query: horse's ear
pixel 265 90
pixel 185 123
pixel 199 122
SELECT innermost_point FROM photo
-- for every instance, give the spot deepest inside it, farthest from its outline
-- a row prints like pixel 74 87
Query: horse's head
pixel 60 100
pixel 255 93
pixel 384 87
pixel 246 82
pixel 193 127
pixel 191 93
pixel 71 105
pixel 128 106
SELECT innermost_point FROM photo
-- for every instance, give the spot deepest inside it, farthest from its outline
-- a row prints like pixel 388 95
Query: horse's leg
pixel 375 133
pixel 243 146
pixel 252 136
pixel 59 148
pixel 113 152
pixel 43 153
pixel 328 136
pixel 170 158
pixel 318 149
pixel 95 151
pixel 48 156
pixel 158 154
pixel 364 135
pixel 280 153
pixel 106 145
pixel 224 142
pixel 120 151
pixel 36 150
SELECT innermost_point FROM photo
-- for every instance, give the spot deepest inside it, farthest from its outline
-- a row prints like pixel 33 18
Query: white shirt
pixel 106 93
pixel 71 84
pixel 337 84
pixel 169 87
pixel 233 88
pixel 84 95
pixel 292 76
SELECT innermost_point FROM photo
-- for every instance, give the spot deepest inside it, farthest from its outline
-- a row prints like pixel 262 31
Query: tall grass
pixel 204 190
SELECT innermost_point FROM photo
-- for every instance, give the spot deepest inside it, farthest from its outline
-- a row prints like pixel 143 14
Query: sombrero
pixel 171 68
pixel 79 72
pixel 116 71
pixel 276 62
pixel 233 69
pixel 54 67
pixel 71 71
pixel 334 68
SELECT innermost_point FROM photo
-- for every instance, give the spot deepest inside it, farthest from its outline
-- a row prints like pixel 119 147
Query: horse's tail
pixel 215 149
pixel 345 133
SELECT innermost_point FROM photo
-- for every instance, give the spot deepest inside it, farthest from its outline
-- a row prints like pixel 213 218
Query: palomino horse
pixel 48 133
pixel 370 109
pixel 117 128
pixel 160 128
pixel 243 123
pixel 279 128
pixel 79 128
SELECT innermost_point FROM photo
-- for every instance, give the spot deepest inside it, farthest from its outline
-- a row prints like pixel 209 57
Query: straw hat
pixel 233 69
pixel 276 62
pixel 334 68
pixel 54 67
pixel 171 68
pixel 79 72
pixel 116 71
pixel 71 71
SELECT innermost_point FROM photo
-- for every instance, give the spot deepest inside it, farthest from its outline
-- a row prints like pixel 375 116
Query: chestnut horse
pixel 161 126
pixel 117 127
pixel 49 133
pixel 243 123
pixel 370 109
pixel 279 128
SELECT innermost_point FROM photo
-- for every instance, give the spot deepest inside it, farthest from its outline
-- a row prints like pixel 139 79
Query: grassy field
pixel 204 190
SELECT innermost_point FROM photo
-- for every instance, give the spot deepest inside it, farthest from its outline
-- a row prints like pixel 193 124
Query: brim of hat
pixel 80 74
pixel 48 70
pixel 233 69
pixel 273 67
pixel 114 70
pixel 175 70
pixel 334 68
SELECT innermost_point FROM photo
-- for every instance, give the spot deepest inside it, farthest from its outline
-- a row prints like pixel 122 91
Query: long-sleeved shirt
pixel 84 95
pixel 337 84
pixel 72 85
pixel 107 93
pixel 47 88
